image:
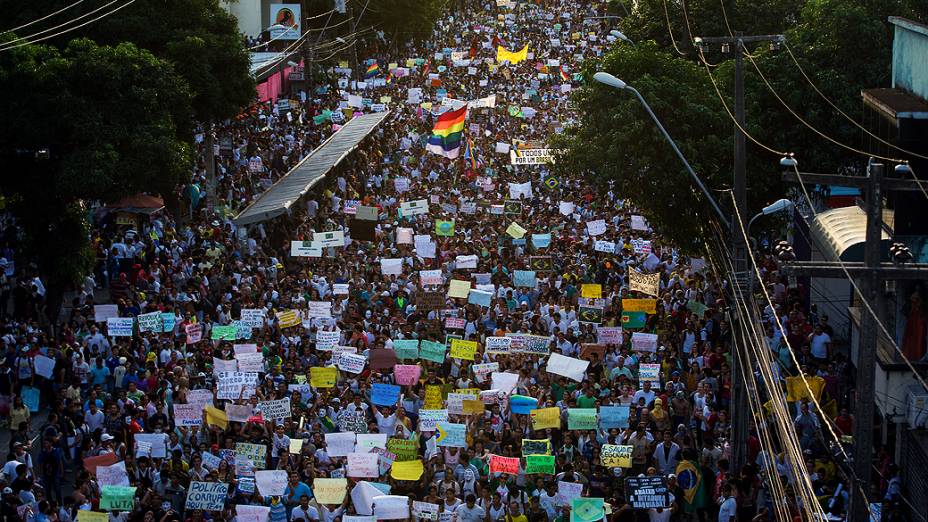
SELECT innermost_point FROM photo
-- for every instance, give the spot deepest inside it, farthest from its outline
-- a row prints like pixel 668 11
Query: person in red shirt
pixel 845 422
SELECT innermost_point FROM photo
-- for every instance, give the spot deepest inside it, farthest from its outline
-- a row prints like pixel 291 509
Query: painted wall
pixel 910 56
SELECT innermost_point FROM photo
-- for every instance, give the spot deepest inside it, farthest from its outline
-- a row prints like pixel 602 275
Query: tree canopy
pixel 85 123
pixel 844 46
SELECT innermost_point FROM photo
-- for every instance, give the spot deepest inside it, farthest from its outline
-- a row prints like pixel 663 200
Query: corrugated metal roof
pixel 288 190
pixel 841 232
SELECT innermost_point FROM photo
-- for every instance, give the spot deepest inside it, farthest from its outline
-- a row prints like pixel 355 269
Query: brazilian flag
pixel 634 319
pixel 689 478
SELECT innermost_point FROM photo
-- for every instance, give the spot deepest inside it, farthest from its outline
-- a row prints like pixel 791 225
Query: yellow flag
pixel 796 389
pixel 217 417
pixel 546 418
pixel 408 470
pixel 502 54
pixel 322 377
pixel 591 291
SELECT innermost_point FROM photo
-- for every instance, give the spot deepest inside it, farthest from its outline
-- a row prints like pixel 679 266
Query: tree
pixel 617 143
pixel 82 124
pixel 199 37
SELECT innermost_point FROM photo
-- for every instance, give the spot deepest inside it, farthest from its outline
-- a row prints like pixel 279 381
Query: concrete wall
pixel 910 56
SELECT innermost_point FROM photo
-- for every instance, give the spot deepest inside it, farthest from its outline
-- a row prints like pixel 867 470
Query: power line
pixel 27 24
pixel 28 39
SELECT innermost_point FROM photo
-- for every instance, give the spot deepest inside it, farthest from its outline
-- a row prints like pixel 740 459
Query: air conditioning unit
pixel 916 407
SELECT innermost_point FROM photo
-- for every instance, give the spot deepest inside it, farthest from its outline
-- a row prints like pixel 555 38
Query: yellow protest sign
pixel 386 99
pixel 393 65
pixel 216 417
pixel 461 349
pixel 615 456
pixel 503 54
pixel 648 306
pixel 329 490
pixel 343 64
pixel 459 289
pixel 410 62
pixel 92 516
pixel 296 446
pixel 408 470
pixel 575 36
pixel 322 377
pixel 433 398
pixel 473 407
pixel 546 418
pixel 515 230
pixel 288 319
pixel 591 291
pixel 426 105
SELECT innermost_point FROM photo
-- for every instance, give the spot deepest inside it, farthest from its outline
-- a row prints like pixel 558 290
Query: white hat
pixel 107 437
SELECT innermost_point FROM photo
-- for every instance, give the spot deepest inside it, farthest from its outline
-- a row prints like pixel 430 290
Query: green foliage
pixel 199 37
pixel 618 142
pixel 106 117
pixel 405 20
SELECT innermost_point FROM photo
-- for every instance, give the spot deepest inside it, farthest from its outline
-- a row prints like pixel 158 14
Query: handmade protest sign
pixel 539 464
pixel 586 509
pixel 566 491
pixel 499 464
pixel 498 345
pixel 403 449
pixel 429 419
pixel 275 410
pixel 407 374
pixel 117 498
pixel 536 447
pixel 320 377
pixel 256 453
pixel 581 418
pixel 452 435
pixel 522 405
pixel 391 507
pixel 546 418
pixel 407 470
pixel 432 351
pixel 461 349
pixel 363 465
pixel 271 482
pixel 330 490
pixel 645 283
pixel 616 456
pixel 384 394
pixel 643 492
pixel 351 363
pixel 613 417
pixel 569 367
pixel 340 444
pixel 644 342
pixel 188 414
pixel 114 475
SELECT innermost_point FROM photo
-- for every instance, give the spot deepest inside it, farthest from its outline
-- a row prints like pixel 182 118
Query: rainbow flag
pixel 446 135
pixel 564 76
pixel 470 155
pixel 372 70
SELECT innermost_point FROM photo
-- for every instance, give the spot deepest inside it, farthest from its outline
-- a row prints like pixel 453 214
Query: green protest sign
pixel 432 351
pixel 581 418
pixel 223 333
pixel 539 464
pixel 117 498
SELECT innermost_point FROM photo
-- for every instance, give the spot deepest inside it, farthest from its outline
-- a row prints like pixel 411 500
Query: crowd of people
pixel 256 382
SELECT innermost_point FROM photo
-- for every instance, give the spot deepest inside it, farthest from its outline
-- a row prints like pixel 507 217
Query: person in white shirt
pixel 662 514
pixel 470 511
pixel 728 508
pixel 304 511
pixel 93 417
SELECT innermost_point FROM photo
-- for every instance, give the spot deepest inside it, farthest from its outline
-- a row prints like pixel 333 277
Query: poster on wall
pixel 285 22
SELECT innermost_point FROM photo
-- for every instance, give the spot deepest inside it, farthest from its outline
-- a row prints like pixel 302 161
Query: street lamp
pixel 610 80
pixel 773 208
pixel 621 36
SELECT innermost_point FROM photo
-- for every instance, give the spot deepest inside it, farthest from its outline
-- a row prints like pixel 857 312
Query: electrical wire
pixel 809 125
pixel 670 29
pixel 29 38
pixel 27 24
pixel 841 112
pixel 859 293
pixel 728 110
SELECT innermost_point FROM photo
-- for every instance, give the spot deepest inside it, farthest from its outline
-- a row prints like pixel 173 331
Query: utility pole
pixel 871 276
pixel 740 410
pixel 307 57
